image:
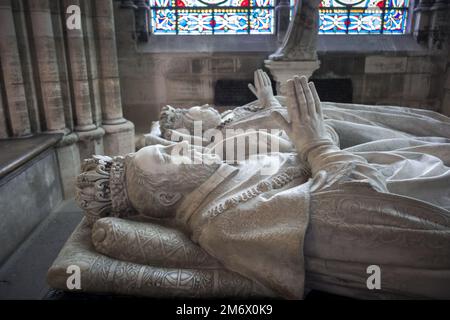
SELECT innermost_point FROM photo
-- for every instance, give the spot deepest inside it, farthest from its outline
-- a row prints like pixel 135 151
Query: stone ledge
pixel 386 44
pixel 17 152
pixel 370 44
pixel 209 44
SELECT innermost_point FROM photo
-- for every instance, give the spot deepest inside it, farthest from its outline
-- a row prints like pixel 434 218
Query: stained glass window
pixel 362 16
pixel 225 17
pixel 207 17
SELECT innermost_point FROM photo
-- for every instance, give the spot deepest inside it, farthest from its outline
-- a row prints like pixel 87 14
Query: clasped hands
pixel 306 127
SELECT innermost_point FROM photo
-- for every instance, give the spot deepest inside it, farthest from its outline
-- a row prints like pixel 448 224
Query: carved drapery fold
pixel 297 54
pixel 301 37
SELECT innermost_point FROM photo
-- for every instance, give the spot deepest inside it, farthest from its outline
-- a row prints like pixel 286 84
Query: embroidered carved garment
pixel 354 222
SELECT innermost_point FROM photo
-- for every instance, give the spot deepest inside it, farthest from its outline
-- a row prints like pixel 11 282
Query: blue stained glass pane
pixel 362 3
pixel 210 3
pixel 230 21
pixel 195 22
pixel 338 21
pixel 262 3
pixel 336 16
pixel 163 21
pixel 352 3
pixel 363 16
pixel 261 21
pixel 333 21
pixel 365 22
pixel 160 3
pixel 395 21
pixel 397 3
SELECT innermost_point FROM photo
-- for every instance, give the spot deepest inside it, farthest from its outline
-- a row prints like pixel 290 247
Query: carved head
pixel 158 177
pixel 173 118
pixel 170 118
pixel 210 118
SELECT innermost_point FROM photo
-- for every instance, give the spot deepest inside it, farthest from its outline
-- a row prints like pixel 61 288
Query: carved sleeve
pixel 331 167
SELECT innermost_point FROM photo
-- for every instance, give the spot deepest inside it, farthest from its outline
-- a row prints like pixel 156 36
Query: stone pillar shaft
pixel 79 76
pixel 109 70
pixel 47 65
pixel 119 137
pixel 90 137
pixel 439 25
pixel 422 20
pixel 16 103
pixel 23 44
pixel 3 128
pixel 92 59
pixel 59 25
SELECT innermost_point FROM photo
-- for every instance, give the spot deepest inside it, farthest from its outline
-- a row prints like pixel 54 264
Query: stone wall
pixel 150 81
pixel 446 91
pixel 36 190
pixel 395 71
pixel 56 79
pixel 390 79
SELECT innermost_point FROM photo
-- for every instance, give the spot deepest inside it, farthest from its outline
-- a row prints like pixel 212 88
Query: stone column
pixel 78 74
pixel 23 43
pixel 16 103
pixel 48 63
pixel 127 4
pixel 445 105
pixel 48 79
pixel 59 24
pixel 142 23
pixel 439 25
pixel 297 54
pixel 422 21
pixel 87 7
pixel 119 138
pixel 3 124
pixel 88 133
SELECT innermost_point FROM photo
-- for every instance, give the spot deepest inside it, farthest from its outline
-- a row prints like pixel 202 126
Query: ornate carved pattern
pixel 276 182
pixel 101 189
pixel 386 216
pixel 93 191
pixel 121 206
pixel 150 244
pixel 101 274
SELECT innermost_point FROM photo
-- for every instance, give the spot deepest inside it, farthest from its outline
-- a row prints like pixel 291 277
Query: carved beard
pixel 157 195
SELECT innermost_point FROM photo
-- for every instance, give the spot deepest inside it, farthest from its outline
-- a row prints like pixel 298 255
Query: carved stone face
pixel 169 159
pixel 159 177
pixel 210 118
pixel 177 118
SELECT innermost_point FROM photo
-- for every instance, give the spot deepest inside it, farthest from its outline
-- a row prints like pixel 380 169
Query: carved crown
pixel 101 189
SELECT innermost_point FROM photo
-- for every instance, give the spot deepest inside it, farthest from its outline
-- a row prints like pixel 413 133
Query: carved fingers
pixel 316 98
pixel 306 119
pixel 262 88
pixel 253 89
